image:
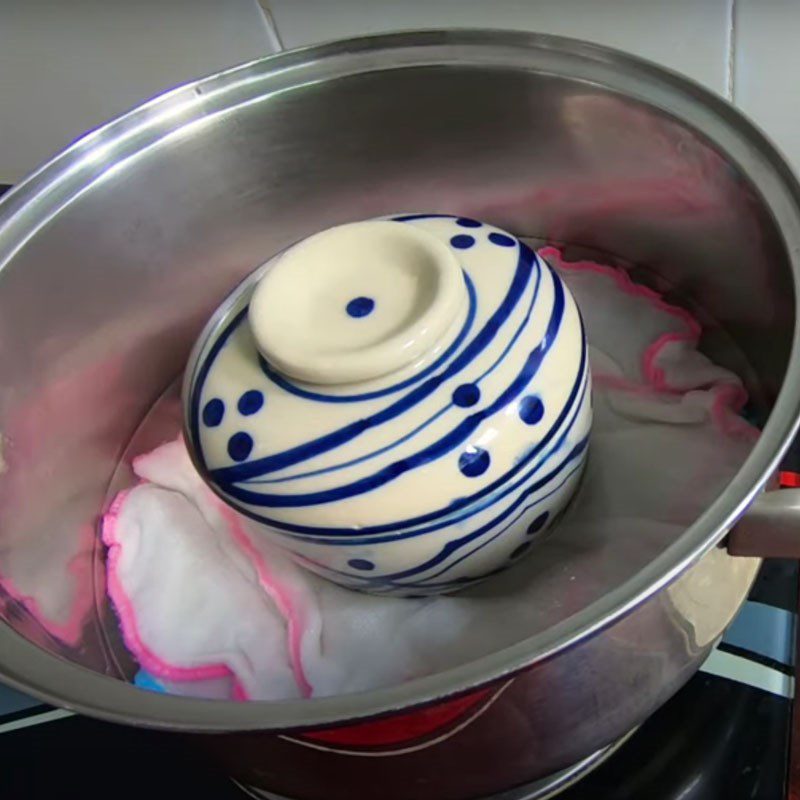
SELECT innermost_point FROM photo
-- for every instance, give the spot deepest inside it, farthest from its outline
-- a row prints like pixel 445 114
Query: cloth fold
pixel 209 608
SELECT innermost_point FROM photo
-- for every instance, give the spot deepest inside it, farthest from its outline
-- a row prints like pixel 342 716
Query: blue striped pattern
pixel 401 443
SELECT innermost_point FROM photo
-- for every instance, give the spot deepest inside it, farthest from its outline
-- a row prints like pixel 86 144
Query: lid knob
pixel 356 302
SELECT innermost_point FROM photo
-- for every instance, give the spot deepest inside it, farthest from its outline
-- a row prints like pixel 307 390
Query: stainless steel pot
pixel 113 254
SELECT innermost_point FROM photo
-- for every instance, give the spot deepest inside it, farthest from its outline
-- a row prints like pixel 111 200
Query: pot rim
pixel 36 200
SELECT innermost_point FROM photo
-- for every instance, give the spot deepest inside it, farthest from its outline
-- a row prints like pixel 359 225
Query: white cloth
pixel 208 608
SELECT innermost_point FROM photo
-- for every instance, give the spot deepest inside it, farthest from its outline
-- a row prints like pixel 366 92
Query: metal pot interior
pixel 114 254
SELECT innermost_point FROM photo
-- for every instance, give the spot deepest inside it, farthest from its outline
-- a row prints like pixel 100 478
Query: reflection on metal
pixel 770 528
pixel 543 789
pixel 707 597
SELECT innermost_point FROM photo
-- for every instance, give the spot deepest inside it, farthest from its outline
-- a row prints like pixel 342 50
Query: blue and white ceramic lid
pixel 386 375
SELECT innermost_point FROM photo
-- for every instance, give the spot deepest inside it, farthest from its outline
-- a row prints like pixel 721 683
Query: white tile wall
pixel 66 66
pixel 766 76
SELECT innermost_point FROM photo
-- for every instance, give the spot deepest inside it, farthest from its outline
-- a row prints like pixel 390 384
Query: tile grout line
pixel 730 77
pixel 36 719
pixel 272 28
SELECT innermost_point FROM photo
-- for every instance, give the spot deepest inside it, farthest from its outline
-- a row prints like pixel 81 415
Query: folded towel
pixel 209 608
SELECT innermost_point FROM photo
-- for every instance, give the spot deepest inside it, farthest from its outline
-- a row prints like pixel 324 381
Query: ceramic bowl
pixel 404 404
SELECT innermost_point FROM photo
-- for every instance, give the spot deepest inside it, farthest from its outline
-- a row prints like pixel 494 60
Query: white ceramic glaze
pixel 404 404
pixel 403 283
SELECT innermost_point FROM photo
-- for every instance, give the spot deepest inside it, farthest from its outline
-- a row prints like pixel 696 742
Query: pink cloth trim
pixel 127 616
pixel 271 583
pixel 293 614
pixel 730 398
pixel 652 373
pixel 70 631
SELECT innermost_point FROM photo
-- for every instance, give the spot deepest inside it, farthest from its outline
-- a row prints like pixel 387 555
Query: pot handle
pixel 770 528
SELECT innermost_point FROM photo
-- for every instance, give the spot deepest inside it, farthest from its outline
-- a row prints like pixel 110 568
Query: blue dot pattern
pixel 360 306
pixel 462 241
pixel 531 409
pixel 250 402
pixel 466 395
pixel 474 462
pixel 501 240
pixel 240 445
pixel 213 412
pixel 538 524
pixel 360 563
pixel 523 548
pixel 458 379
